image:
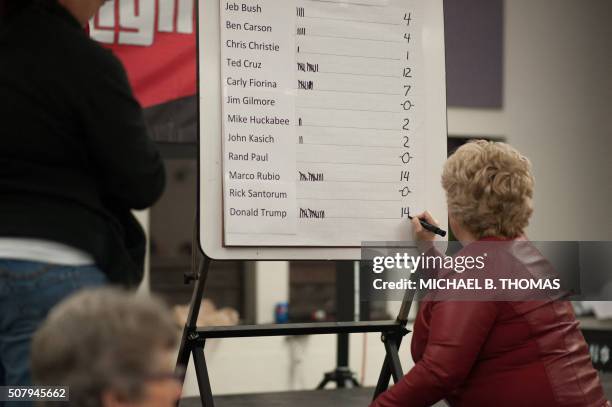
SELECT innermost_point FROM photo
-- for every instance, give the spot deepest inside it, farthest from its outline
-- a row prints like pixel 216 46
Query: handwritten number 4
pixel 408 18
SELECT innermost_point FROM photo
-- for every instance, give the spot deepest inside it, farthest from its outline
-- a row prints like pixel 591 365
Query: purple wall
pixel 474 52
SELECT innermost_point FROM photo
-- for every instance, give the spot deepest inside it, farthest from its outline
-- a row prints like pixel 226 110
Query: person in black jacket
pixel 75 159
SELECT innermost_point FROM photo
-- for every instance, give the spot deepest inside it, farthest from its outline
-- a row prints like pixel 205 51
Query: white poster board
pixel 322 124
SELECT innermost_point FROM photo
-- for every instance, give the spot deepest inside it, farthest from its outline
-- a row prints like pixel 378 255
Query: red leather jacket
pixel 497 353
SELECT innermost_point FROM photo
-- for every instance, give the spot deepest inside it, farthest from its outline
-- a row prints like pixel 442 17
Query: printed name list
pixel 323 112
pixel 258 115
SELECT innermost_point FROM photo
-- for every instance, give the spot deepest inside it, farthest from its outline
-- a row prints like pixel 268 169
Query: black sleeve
pixel 125 159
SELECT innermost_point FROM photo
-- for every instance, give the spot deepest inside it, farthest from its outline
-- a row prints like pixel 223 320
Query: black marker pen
pixel 430 227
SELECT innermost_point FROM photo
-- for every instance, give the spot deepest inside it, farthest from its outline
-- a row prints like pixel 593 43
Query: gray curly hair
pixel 489 189
pixel 101 339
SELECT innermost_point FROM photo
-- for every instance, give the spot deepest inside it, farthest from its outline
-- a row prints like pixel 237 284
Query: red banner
pixel 155 40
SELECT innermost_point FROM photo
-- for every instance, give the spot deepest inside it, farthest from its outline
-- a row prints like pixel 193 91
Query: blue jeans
pixel 28 290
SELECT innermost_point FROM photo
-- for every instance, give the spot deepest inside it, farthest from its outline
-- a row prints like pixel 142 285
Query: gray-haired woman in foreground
pixel 111 349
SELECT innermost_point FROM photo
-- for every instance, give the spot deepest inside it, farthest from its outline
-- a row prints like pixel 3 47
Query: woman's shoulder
pixel 56 42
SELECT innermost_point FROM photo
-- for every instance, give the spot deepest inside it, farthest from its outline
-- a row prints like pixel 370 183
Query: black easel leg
pixel 392 348
pixel 392 340
pixel 188 340
pixel 184 352
pixel 383 378
pixel 202 375
pixel 392 366
pixel 194 310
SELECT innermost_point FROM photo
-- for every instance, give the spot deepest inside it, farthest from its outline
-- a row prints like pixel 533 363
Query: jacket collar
pixel 64 14
pixel 501 239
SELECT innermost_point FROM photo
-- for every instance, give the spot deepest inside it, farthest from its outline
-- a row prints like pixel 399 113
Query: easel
pixel 194 338
pixel 212 209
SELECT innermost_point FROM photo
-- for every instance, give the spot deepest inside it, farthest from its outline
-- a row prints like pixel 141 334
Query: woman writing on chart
pixel 493 353
pixel 75 158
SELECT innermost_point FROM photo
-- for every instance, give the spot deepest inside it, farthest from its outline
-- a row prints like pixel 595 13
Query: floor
pixel 319 398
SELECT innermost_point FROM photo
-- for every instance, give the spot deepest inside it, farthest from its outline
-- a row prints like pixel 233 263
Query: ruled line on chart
pixel 350 110
pixel 349 56
pixel 348 2
pixel 347 163
pixel 350 91
pixel 353 182
pixel 359 217
pixel 348 127
pixel 259 233
pixel 360 182
pixel 349 199
pixel 307 133
pixel 348 145
pixel 351 38
pixel 360 74
pixel 351 20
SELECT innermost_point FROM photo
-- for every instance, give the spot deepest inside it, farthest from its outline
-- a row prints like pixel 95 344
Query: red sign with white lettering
pixel 155 40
